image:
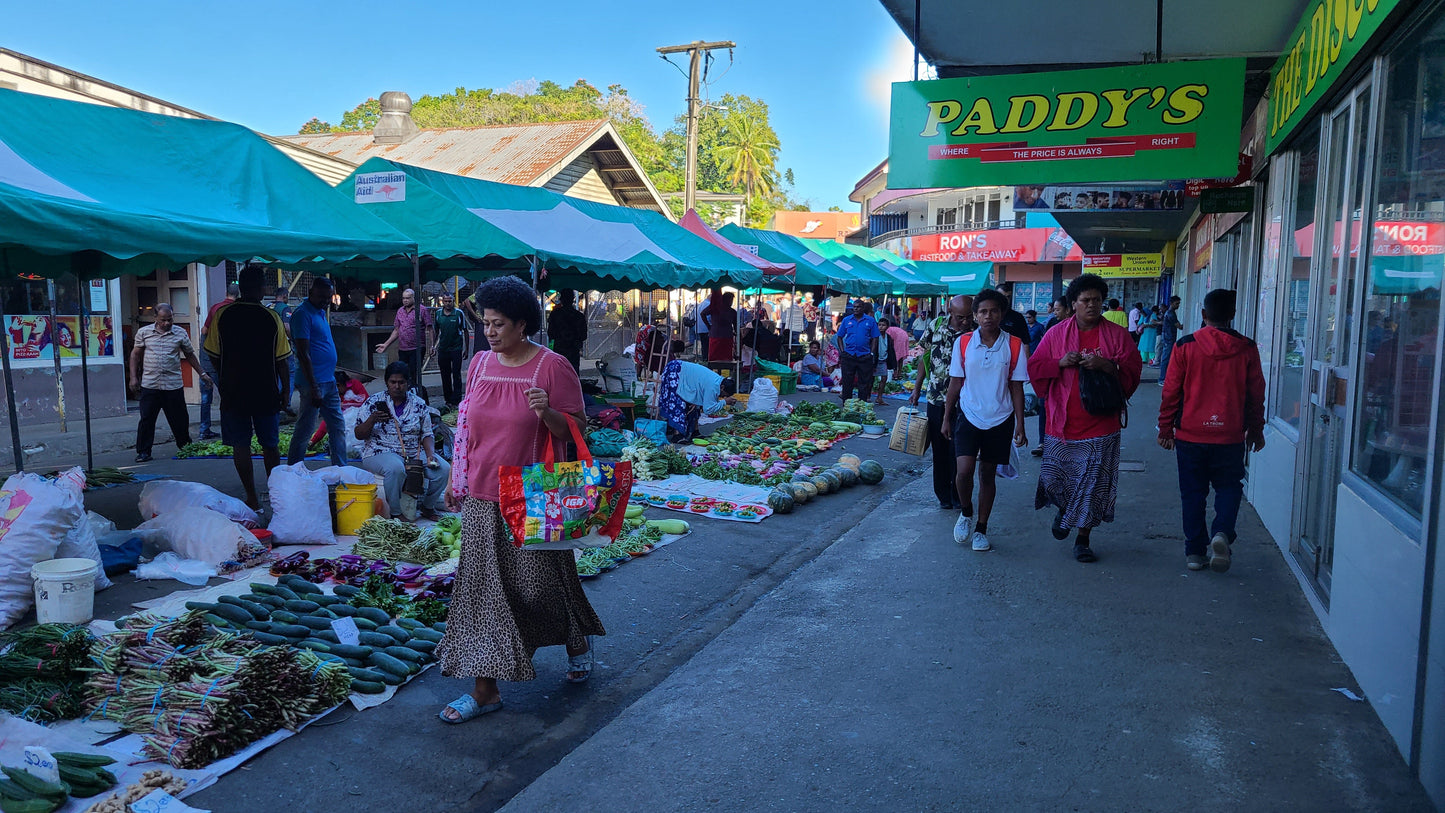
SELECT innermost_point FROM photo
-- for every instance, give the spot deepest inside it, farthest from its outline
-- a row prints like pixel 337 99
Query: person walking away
pixel 1116 314
pixel 155 372
pixel 688 392
pixel 1079 476
pixel 1168 335
pixel 858 351
pixel 1012 322
pixel 395 428
pixel 1059 310
pixel 208 391
pixel 722 325
pixel 1212 406
pixel 248 345
pixel 567 328
pixel 451 325
pixel 507 602
pixel 1148 333
pixel 316 376
pixel 282 306
pixel 410 348
pixel 984 412
pixel 1136 320
pixel 702 316
pixel 932 382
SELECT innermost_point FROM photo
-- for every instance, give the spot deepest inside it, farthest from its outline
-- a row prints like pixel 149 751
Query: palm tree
pixel 748 153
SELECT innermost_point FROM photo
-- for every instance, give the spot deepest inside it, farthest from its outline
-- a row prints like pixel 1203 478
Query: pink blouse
pixel 496 428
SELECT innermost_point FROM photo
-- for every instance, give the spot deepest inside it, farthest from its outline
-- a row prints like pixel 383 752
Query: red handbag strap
pixel 549 450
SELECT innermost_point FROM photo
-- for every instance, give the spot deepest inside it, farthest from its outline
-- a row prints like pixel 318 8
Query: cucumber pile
pixel 81 776
pixel 296 613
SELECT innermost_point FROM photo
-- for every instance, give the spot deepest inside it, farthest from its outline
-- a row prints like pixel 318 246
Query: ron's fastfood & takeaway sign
pixel 1142 122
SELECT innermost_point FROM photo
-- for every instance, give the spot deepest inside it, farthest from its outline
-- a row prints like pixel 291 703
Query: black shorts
pixel 988 445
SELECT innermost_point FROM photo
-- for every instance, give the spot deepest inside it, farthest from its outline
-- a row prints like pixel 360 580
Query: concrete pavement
pixel 899 671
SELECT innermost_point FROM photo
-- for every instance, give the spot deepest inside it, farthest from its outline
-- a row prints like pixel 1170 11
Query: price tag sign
pixel 158 801
pixel 40 764
pixel 346 631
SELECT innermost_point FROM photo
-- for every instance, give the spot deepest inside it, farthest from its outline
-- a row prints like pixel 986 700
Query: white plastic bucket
pixel 64 591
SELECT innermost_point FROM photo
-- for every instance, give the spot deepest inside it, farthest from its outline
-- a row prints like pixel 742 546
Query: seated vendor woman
pixel 690 390
pixel 396 429
pixel 811 372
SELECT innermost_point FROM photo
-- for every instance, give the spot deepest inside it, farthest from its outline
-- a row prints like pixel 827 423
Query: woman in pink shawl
pixel 1080 472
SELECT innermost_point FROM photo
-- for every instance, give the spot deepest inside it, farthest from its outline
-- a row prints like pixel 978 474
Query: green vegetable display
pixel 215 448
pixel 397 541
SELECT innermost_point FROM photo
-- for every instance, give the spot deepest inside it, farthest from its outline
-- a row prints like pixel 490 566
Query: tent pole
pixel 55 354
pixel 420 319
pixel 84 284
pixel 10 384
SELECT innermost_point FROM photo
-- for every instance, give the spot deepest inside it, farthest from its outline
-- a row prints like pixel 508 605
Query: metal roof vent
pixel 395 124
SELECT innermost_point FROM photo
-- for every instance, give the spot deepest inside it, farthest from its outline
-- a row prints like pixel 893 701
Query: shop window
pixel 1394 406
pixel 1290 375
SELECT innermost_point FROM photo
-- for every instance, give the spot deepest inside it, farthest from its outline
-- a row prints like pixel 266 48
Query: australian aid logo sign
pixel 1171 120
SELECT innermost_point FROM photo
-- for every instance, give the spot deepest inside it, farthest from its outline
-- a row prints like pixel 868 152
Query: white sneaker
pixel 962 529
pixel 979 541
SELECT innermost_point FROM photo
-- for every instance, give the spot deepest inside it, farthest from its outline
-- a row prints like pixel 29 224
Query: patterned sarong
pixel 1081 478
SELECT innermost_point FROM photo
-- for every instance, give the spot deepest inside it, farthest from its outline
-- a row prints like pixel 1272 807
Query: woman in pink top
pixel 507 602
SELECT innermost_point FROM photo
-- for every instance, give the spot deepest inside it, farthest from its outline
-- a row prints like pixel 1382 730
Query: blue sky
pixel 823 67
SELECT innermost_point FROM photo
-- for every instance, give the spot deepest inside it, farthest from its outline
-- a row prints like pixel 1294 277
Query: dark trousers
pixel 572 354
pixel 450 362
pixel 1165 351
pixel 152 403
pixel 857 373
pixel 945 464
pixel 414 361
pixel 1202 465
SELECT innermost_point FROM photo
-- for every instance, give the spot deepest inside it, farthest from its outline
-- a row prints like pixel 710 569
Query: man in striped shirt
pixel 155 371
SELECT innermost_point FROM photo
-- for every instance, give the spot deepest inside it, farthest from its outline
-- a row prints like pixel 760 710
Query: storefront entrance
pixel 1329 337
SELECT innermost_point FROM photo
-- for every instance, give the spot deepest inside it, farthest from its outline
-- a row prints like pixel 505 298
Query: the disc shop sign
pixel 1171 120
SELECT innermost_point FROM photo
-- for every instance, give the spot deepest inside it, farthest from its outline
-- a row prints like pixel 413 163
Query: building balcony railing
pixel 977 225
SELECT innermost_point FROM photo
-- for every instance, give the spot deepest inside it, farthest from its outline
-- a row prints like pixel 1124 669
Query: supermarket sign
pixel 1134 266
pixel 1131 123
pixel 1329 35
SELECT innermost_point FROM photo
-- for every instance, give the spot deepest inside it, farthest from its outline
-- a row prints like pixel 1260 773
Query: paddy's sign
pixel 1328 37
pixel 1172 120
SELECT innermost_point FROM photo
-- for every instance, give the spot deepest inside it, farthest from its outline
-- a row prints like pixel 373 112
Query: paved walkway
pixel 898 671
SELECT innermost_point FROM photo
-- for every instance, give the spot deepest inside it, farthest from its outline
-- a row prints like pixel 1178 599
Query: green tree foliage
pixel 737 147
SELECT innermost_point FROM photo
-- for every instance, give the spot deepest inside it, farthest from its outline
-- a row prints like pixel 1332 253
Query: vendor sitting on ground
pixel 353 394
pixel 397 429
pixel 688 391
pixel 811 372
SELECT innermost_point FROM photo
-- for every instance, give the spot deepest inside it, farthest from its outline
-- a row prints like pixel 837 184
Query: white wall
pixel 1375 598
pixel 1272 484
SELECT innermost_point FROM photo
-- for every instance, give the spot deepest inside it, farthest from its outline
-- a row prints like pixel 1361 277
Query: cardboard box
pixel 910 431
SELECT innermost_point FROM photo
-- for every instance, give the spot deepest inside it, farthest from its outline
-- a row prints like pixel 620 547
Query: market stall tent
pixel 772 271
pixel 466 226
pixel 812 268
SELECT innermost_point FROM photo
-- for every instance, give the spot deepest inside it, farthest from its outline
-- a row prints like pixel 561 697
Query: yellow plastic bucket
pixel 353 505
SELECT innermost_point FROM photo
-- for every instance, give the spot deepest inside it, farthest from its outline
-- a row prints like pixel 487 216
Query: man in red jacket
pixel 1213 405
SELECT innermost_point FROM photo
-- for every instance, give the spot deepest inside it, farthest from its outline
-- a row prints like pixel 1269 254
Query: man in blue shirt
pixel 1168 334
pixel 858 351
pixel 316 376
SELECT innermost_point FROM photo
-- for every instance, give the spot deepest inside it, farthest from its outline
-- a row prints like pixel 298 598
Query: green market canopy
pixel 470 227
pixel 137 191
pixel 812 268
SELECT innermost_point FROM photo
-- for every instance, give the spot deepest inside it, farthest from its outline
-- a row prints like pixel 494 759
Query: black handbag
pixel 1102 394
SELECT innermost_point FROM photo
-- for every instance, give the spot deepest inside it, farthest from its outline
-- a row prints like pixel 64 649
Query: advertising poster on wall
pixel 998 246
pixel 1121 266
pixel 31 337
pixel 1168 197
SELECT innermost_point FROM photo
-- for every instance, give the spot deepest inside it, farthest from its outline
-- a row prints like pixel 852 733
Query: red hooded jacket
pixel 1214 392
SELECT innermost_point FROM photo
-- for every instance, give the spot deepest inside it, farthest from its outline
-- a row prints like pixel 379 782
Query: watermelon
pixel 835 480
pixel 810 488
pixel 851 461
pixel 799 477
pixel 847 475
pixel 871 472
pixel 825 486
pixel 780 501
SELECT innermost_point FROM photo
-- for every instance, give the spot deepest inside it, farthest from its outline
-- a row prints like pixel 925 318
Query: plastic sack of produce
pixel 204 534
pixel 345 475
pixel 162 496
pixel 556 505
pixel 764 396
pixel 83 542
pixel 301 506
pixel 35 515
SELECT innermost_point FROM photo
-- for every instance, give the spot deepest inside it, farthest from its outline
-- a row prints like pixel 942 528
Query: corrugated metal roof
pixel 509 153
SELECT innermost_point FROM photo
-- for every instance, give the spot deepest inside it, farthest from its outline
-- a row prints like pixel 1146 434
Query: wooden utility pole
pixel 695 50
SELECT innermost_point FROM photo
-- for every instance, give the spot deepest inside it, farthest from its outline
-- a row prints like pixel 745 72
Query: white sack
pixel 300 507
pixel 200 533
pixel 35 515
pixel 163 496
pixel 764 397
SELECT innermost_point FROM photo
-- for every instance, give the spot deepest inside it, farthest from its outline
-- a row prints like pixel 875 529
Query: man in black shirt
pixel 1013 322
pixel 567 328
pixel 247 343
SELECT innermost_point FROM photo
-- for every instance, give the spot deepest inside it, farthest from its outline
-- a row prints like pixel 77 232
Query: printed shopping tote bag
pixel 555 505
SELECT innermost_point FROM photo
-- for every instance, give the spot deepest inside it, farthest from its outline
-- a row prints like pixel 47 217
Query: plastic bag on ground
pixel 204 534
pixel 35 515
pixel 83 542
pixel 300 507
pixel 764 397
pixel 162 496
pixel 169 565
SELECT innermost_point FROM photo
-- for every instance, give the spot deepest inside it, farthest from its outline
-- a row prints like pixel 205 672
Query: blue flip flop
pixel 467 708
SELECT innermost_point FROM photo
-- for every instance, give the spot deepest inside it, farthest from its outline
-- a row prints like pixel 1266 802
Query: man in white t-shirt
pixel 984 412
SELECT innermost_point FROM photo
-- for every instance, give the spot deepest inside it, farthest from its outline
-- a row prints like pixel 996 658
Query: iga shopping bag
pixel 555 505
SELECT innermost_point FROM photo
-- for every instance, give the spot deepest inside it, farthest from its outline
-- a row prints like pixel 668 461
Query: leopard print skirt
pixel 507 602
